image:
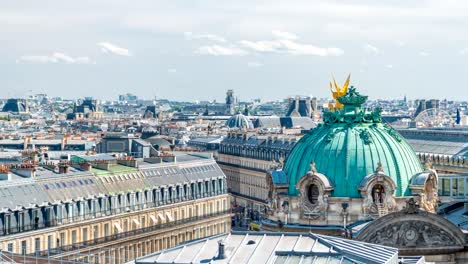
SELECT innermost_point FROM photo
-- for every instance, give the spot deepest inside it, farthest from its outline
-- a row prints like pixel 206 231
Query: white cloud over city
pixel 56 57
pixel 107 47
pixel 295 45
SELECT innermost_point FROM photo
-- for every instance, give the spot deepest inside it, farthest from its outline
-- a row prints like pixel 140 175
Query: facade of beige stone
pixel 113 215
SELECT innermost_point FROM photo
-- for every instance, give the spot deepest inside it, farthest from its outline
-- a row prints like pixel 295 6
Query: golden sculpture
pixel 338 91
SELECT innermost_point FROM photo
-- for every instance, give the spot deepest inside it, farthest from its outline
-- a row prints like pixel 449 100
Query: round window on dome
pixel 313 193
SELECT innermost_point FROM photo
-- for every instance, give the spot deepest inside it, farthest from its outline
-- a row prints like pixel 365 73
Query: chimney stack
pixel 221 252
pixel 63 167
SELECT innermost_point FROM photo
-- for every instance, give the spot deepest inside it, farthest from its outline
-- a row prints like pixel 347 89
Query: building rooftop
pixel 266 247
pixel 49 186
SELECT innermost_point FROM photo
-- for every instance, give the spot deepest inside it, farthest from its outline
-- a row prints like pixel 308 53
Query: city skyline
pixel 198 51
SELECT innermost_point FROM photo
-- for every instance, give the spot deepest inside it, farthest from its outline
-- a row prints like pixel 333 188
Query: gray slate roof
pixel 265 247
pixel 50 187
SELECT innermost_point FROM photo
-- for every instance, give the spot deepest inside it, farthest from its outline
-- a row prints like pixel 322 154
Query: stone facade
pixel 417 232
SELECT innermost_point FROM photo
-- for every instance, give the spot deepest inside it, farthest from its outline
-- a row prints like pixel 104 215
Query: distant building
pixel 125 143
pixel 89 108
pixel 422 105
pixel 239 121
pixel 16 106
pixel 302 107
pixel 150 112
pixel 245 158
pixel 65 143
pixel 447 152
pixel 230 102
pixel 205 143
pixel 128 97
pixel 288 122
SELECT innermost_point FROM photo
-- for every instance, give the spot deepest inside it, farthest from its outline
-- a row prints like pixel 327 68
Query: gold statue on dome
pixel 338 91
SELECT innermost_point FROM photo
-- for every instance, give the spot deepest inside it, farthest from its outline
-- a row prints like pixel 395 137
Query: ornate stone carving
pixel 316 210
pixel 411 207
pixel 319 207
pixel 379 168
pixel 411 234
pixel 312 170
pixel 365 136
pixel 428 199
pixel 414 232
pixel 352 97
pixel 392 132
pixel 369 205
pixel 352 111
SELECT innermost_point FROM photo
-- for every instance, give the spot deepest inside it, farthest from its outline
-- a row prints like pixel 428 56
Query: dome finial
pixel 338 91
pixel 379 168
pixel 312 169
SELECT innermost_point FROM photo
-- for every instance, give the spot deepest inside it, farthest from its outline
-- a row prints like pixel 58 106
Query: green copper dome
pixel 348 146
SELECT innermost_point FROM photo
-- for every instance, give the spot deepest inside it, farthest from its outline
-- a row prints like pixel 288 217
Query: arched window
pixel 378 194
pixel 313 193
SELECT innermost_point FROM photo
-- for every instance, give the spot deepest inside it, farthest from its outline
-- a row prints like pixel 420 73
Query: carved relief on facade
pixel 411 234
pixel 414 229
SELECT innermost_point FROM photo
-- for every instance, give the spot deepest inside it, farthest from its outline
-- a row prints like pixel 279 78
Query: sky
pixel 196 50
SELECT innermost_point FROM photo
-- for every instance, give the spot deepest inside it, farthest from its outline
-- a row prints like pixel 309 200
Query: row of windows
pixel 76 236
pixel 264 154
pixel 119 178
pixel 453 186
pixel 235 177
pixel 35 218
pixel 171 170
pixel 66 184
pixel 245 162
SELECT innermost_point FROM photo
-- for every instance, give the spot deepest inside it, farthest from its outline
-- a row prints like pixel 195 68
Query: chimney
pixel 63 167
pixel 64 141
pixel 5 173
pixel 221 252
pixel 26 170
pixel 86 166
pixel 128 161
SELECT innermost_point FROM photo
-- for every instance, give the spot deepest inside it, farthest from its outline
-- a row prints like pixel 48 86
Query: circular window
pixel 313 193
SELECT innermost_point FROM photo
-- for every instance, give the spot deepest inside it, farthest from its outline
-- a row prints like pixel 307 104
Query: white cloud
pixel 56 57
pixel 307 49
pixel 211 37
pixel 254 64
pixel 423 53
pixel 107 47
pixel 172 70
pixel 291 47
pixel 371 49
pixel 217 50
pixel 284 35
pixel 262 46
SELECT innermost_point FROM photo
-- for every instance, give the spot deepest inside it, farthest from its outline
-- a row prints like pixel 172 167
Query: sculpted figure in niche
pixel 428 198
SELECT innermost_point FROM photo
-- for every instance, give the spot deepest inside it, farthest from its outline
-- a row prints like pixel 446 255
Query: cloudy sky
pixel 196 50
